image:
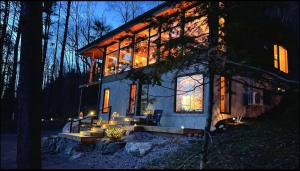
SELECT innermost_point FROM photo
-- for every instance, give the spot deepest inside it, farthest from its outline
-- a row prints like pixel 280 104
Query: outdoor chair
pixel 155 118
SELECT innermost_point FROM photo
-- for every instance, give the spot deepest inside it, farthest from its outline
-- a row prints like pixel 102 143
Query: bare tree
pixel 62 56
pixel 30 90
pixel 2 40
pixel 56 44
pixel 128 10
pixel 47 23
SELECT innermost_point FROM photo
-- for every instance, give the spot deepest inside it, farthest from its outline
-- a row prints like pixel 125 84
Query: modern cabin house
pixel 132 47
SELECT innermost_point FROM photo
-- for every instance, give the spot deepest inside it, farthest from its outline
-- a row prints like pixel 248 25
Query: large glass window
pixel 141 49
pixel 189 93
pixel 196 26
pixel 153 45
pixel 125 54
pixel 280 58
pixel 111 63
pixel 105 101
pixel 144 97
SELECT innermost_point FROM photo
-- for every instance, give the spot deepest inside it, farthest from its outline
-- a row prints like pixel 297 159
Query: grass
pixel 268 142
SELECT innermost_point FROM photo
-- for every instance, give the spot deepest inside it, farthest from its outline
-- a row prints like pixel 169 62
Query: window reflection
pixel 111 63
pixel 125 58
pixel 140 54
pixel 189 93
pixel 141 49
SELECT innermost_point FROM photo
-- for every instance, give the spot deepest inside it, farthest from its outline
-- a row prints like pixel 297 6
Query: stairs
pixel 90 133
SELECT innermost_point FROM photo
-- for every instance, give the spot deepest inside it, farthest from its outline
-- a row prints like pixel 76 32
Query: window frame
pixel 175 94
pixel 229 83
pixel 104 100
pixel 135 98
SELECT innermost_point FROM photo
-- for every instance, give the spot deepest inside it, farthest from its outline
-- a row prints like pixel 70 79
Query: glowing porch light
pixel 233 119
pixel 135 125
pixel 182 127
pixel 126 119
pixel 69 119
pixel 92 113
pixel 42 120
pixel 51 119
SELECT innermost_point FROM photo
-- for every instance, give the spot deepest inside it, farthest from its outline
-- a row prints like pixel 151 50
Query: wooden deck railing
pixel 85 117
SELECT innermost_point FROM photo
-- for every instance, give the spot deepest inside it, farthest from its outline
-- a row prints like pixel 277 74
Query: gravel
pixel 162 145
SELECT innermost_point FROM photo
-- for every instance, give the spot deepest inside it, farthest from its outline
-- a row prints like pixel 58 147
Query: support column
pixel 92 68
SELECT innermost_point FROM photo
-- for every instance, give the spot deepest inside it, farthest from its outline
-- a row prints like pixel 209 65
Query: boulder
pixel 112 147
pixel 138 148
pixel 75 156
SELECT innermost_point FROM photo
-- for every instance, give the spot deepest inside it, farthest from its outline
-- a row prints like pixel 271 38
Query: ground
pixel 268 142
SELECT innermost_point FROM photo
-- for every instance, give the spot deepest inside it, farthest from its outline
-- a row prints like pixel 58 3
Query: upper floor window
pixel 196 25
pixel 141 49
pixel 125 54
pixel 111 59
pixel 280 58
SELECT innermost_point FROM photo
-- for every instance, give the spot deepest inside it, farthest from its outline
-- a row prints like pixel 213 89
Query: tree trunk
pixel 47 6
pixel 12 81
pixel 8 52
pixel 62 56
pixel 55 51
pixel 30 89
pixel 2 39
pixel 213 39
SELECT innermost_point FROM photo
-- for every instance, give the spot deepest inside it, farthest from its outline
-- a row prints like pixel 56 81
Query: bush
pixel 115 133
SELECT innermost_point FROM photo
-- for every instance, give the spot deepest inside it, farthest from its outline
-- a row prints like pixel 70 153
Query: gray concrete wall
pixel 164 99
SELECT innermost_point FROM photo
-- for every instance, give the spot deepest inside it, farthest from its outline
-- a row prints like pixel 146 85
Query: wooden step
pixel 79 137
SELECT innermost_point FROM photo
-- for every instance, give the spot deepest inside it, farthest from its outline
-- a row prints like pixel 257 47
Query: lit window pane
pixel 125 59
pixel 153 50
pixel 140 54
pixel 111 63
pixel 189 93
pixel 275 56
pixel 112 48
pixel 105 101
pixel 126 42
pixel 283 59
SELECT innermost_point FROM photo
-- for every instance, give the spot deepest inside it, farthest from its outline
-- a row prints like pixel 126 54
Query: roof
pixel 131 26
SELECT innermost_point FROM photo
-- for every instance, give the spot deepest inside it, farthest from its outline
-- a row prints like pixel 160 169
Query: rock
pixel 66 128
pixel 138 148
pixel 70 148
pixel 112 147
pixel 161 142
pixel 45 143
pixel 75 156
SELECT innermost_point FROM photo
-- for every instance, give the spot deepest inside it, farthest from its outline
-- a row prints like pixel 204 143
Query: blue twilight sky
pixel 103 8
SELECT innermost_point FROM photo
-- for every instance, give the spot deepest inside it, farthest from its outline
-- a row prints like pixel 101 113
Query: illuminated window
pixel 189 93
pixel 196 26
pixel 153 45
pixel 125 54
pixel 111 59
pixel 164 39
pixel 224 95
pixel 132 98
pixel 281 58
pixel 105 101
pixel 141 49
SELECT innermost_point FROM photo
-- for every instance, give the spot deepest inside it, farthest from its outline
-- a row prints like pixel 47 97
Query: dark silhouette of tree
pixel 2 41
pixel 62 56
pixel 30 88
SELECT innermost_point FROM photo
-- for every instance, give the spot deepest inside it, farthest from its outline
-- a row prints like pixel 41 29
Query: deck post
pixel 109 113
pixel 92 68
pixel 71 124
pixel 79 123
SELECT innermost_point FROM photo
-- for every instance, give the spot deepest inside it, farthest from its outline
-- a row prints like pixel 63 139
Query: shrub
pixel 115 133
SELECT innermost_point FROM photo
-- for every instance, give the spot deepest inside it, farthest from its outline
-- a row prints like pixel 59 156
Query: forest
pixel 67 26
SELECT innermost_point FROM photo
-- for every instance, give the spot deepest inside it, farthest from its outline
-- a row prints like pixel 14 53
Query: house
pixel 132 47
